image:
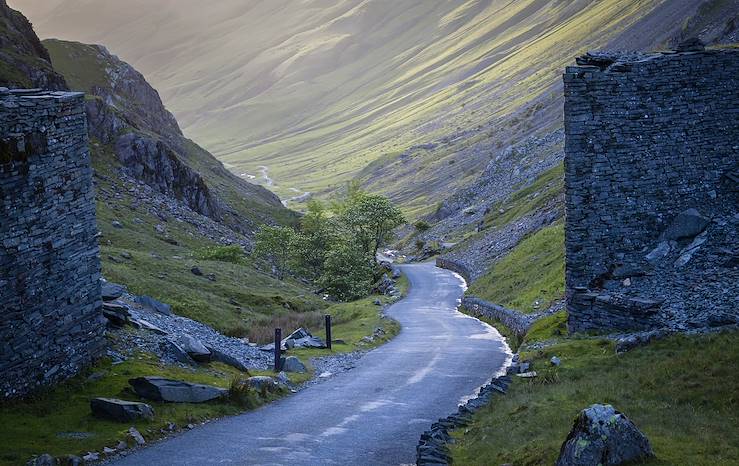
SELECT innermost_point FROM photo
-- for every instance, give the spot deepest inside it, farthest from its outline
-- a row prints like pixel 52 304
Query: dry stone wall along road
pixel 371 415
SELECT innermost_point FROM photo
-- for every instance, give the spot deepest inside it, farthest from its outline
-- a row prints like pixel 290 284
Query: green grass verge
pixel 533 272
pixel 355 320
pixel 681 392
pixel 59 420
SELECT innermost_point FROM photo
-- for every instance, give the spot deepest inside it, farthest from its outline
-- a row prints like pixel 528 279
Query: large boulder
pixel 117 314
pixel 603 436
pixel 302 338
pixel 263 383
pixel 293 364
pixel 195 348
pixel 220 356
pixel 120 410
pixel 687 224
pixel 154 305
pixel 175 391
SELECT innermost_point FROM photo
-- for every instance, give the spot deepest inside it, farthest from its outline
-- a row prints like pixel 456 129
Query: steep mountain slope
pixel 126 113
pixel 24 62
pixel 318 90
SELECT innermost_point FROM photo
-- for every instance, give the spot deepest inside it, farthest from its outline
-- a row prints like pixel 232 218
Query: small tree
pixel 317 234
pixel 348 272
pixel 369 219
pixel 276 245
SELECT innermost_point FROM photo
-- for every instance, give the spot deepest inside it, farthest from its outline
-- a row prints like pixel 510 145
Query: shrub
pixel 421 226
pixel 241 394
pixel 233 254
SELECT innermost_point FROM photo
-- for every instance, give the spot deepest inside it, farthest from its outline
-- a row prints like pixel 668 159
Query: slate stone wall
pixel 649 137
pixel 51 323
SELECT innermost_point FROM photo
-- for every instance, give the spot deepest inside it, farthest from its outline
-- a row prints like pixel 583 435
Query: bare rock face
pixel 603 436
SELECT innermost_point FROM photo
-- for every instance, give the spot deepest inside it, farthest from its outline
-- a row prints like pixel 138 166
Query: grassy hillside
pixel 316 92
pixel 530 277
pixel 681 392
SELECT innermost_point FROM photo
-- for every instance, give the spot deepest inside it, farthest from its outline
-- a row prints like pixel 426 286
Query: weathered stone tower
pixel 652 190
pixel 50 307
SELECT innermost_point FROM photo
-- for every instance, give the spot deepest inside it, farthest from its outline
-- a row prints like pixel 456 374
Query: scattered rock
pixel 378 302
pixel 263 383
pixel 555 361
pixel 91 456
pixel 283 379
pixel 687 224
pixel 69 460
pixel 196 271
pixel 178 353
pixel 117 314
pixel 527 375
pixel 687 253
pixel 42 460
pixel 111 291
pixel 220 356
pixel 175 391
pixel 136 436
pixel 154 305
pixel 195 348
pixel 107 451
pixel 120 410
pixel 293 364
pixel 126 255
pixel 146 325
pixel 211 277
pixel 602 435
pixel 116 224
pixel 659 253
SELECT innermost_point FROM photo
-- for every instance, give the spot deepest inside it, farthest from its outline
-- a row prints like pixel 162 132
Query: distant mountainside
pixel 413 97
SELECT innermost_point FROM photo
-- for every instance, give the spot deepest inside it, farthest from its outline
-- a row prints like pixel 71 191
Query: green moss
pixel 532 272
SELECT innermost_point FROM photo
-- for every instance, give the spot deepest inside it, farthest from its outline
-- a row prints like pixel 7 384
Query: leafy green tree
pixel 369 219
pixel 348 273
pixel 276 245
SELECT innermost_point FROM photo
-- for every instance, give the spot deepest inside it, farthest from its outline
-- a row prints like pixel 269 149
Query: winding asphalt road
pixel 372 414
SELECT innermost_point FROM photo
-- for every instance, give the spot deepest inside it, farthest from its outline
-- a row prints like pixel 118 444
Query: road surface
pixel 370 415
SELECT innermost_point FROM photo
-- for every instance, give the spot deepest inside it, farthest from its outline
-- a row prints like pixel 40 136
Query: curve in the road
pixel 371 415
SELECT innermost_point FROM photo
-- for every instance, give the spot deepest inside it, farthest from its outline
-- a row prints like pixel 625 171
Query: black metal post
pixel 328 331
pixel 278 350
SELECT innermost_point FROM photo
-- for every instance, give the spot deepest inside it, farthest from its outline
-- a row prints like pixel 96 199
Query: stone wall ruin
pixel 652 190
pixel 51 323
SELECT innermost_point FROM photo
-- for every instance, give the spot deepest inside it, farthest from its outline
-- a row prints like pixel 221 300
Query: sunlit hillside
pixel 316 90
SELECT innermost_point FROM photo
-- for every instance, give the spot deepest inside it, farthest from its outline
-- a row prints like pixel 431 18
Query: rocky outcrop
pixel 156 164
pixel 25 61
pixel 603 436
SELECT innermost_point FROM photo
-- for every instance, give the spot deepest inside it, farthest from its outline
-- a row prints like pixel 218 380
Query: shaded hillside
pixel 316 92
pixel 126 114
pixel 24 62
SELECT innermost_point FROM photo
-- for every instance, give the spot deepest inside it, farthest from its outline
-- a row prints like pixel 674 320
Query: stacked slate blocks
pixel 433 447
pixel 650 137
pixel 51 323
